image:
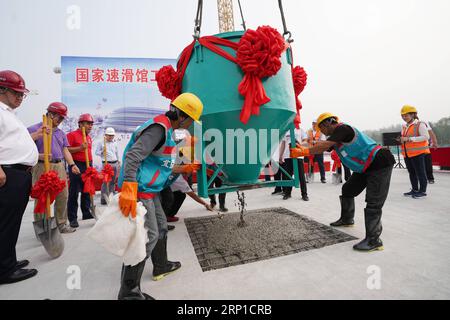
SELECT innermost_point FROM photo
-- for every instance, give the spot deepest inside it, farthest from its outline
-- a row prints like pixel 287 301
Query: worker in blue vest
pixel 148 162
pixel 372 169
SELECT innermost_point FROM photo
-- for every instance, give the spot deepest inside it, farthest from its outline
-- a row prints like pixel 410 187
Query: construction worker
pixel 172 198
pixel 313 136
pixel 372 169
pixel 56 111
pixel 76 148
pixel 18 154
pixel 428 161
pixel 148 162
pixel 287 164
pixel 414 142
pixel 112 158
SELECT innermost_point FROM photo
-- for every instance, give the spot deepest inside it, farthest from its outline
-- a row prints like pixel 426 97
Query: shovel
pixel 83 130
pixel 107 196
pixel 47 229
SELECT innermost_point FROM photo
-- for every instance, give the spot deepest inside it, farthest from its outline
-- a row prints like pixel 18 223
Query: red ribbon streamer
pixel 48 183
pixel 89 177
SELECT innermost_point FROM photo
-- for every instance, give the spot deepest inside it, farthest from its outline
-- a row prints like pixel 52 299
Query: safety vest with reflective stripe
pixel 359 153
pixel 156 169
pixel 413 149
pixel 313 137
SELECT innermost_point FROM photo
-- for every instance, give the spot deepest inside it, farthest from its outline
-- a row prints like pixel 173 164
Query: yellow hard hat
pixel 190 104
pixel 408 109
pixel 325 116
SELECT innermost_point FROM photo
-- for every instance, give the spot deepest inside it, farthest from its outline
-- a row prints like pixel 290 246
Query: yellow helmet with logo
pixel 190 104
pixel 325 116
pixel 408 109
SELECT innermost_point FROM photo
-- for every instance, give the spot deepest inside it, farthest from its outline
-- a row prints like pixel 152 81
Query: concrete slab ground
pixel 414 265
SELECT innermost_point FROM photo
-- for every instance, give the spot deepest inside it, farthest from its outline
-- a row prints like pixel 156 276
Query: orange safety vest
pixel 414 149
pixel 312 138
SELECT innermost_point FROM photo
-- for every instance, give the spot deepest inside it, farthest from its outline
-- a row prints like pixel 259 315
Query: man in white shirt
pixel 18 154
pixel 112 158
pixel 313 136
pixel 172 198
pixel 286 162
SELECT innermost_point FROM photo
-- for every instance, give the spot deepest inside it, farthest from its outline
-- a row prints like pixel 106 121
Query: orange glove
pixel 299 152
pixel 128 198
pixel 189 168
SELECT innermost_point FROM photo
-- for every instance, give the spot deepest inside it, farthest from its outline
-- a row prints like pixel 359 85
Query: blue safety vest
pixel 156 169
pixel 359 153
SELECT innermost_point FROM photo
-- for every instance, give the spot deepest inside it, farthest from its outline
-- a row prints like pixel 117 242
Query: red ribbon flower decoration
pixel 48 183
pixel 258 55
pixel 107 173
pixel 169 82
pixel 299 78
pixel 89 177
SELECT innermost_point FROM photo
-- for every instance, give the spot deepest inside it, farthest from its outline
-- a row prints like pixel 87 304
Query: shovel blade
pixel 50 237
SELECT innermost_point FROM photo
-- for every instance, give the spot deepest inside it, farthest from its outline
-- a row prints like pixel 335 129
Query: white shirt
pixel 423 131
pixel 180 185
pixel 16 144
pixel 299 136
pixel 112 152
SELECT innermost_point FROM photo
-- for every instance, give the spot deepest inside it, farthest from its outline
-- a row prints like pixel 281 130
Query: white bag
pixel 122 236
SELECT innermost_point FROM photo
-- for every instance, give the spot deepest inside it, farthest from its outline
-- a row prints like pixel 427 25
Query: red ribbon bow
pixel 107 173
pixel 169 82
pixel 258 55
pixel 48 183
pixel 89 177
pixel 299 78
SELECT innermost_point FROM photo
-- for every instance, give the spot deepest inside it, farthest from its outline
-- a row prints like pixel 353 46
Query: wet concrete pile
pixel 267 233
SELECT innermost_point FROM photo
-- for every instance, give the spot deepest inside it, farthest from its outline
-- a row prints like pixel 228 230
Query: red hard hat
pixel 58 107
pixel 86 117
pixel 12 80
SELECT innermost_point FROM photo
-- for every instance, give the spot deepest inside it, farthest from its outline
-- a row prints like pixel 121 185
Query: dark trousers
pixel 288 165
pixel 267 176
pixel 171 201
pixel 417 172
pixel 14 196
pixel 75 187
pixel 218 183
pixel 347 172
pixel 319 159
pixel 277 177
pixel 377 185
pixel 429 167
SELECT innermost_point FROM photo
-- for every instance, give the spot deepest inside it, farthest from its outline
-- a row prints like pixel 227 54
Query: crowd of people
pixel 149 173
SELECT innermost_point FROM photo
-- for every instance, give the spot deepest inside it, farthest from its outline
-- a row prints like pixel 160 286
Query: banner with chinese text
pixel 118 92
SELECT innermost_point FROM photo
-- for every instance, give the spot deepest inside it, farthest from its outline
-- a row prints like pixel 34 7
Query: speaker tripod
pixel 399 164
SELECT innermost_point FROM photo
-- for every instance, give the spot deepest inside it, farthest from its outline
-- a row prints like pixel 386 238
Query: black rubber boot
pixel 374 228
pixel 161 266
pixel 130 283
pixel 347 213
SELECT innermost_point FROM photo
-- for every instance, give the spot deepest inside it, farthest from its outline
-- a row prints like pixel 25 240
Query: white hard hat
pixel 110 131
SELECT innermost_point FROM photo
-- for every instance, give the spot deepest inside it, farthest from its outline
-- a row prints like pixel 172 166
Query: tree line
pixel 440 128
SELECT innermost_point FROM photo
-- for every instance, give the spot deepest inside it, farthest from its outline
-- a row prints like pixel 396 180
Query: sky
pixel 365 59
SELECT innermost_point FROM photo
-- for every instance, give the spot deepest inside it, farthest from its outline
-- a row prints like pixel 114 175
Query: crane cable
pixel 286 32
pixel 198 19
pixel 242 16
